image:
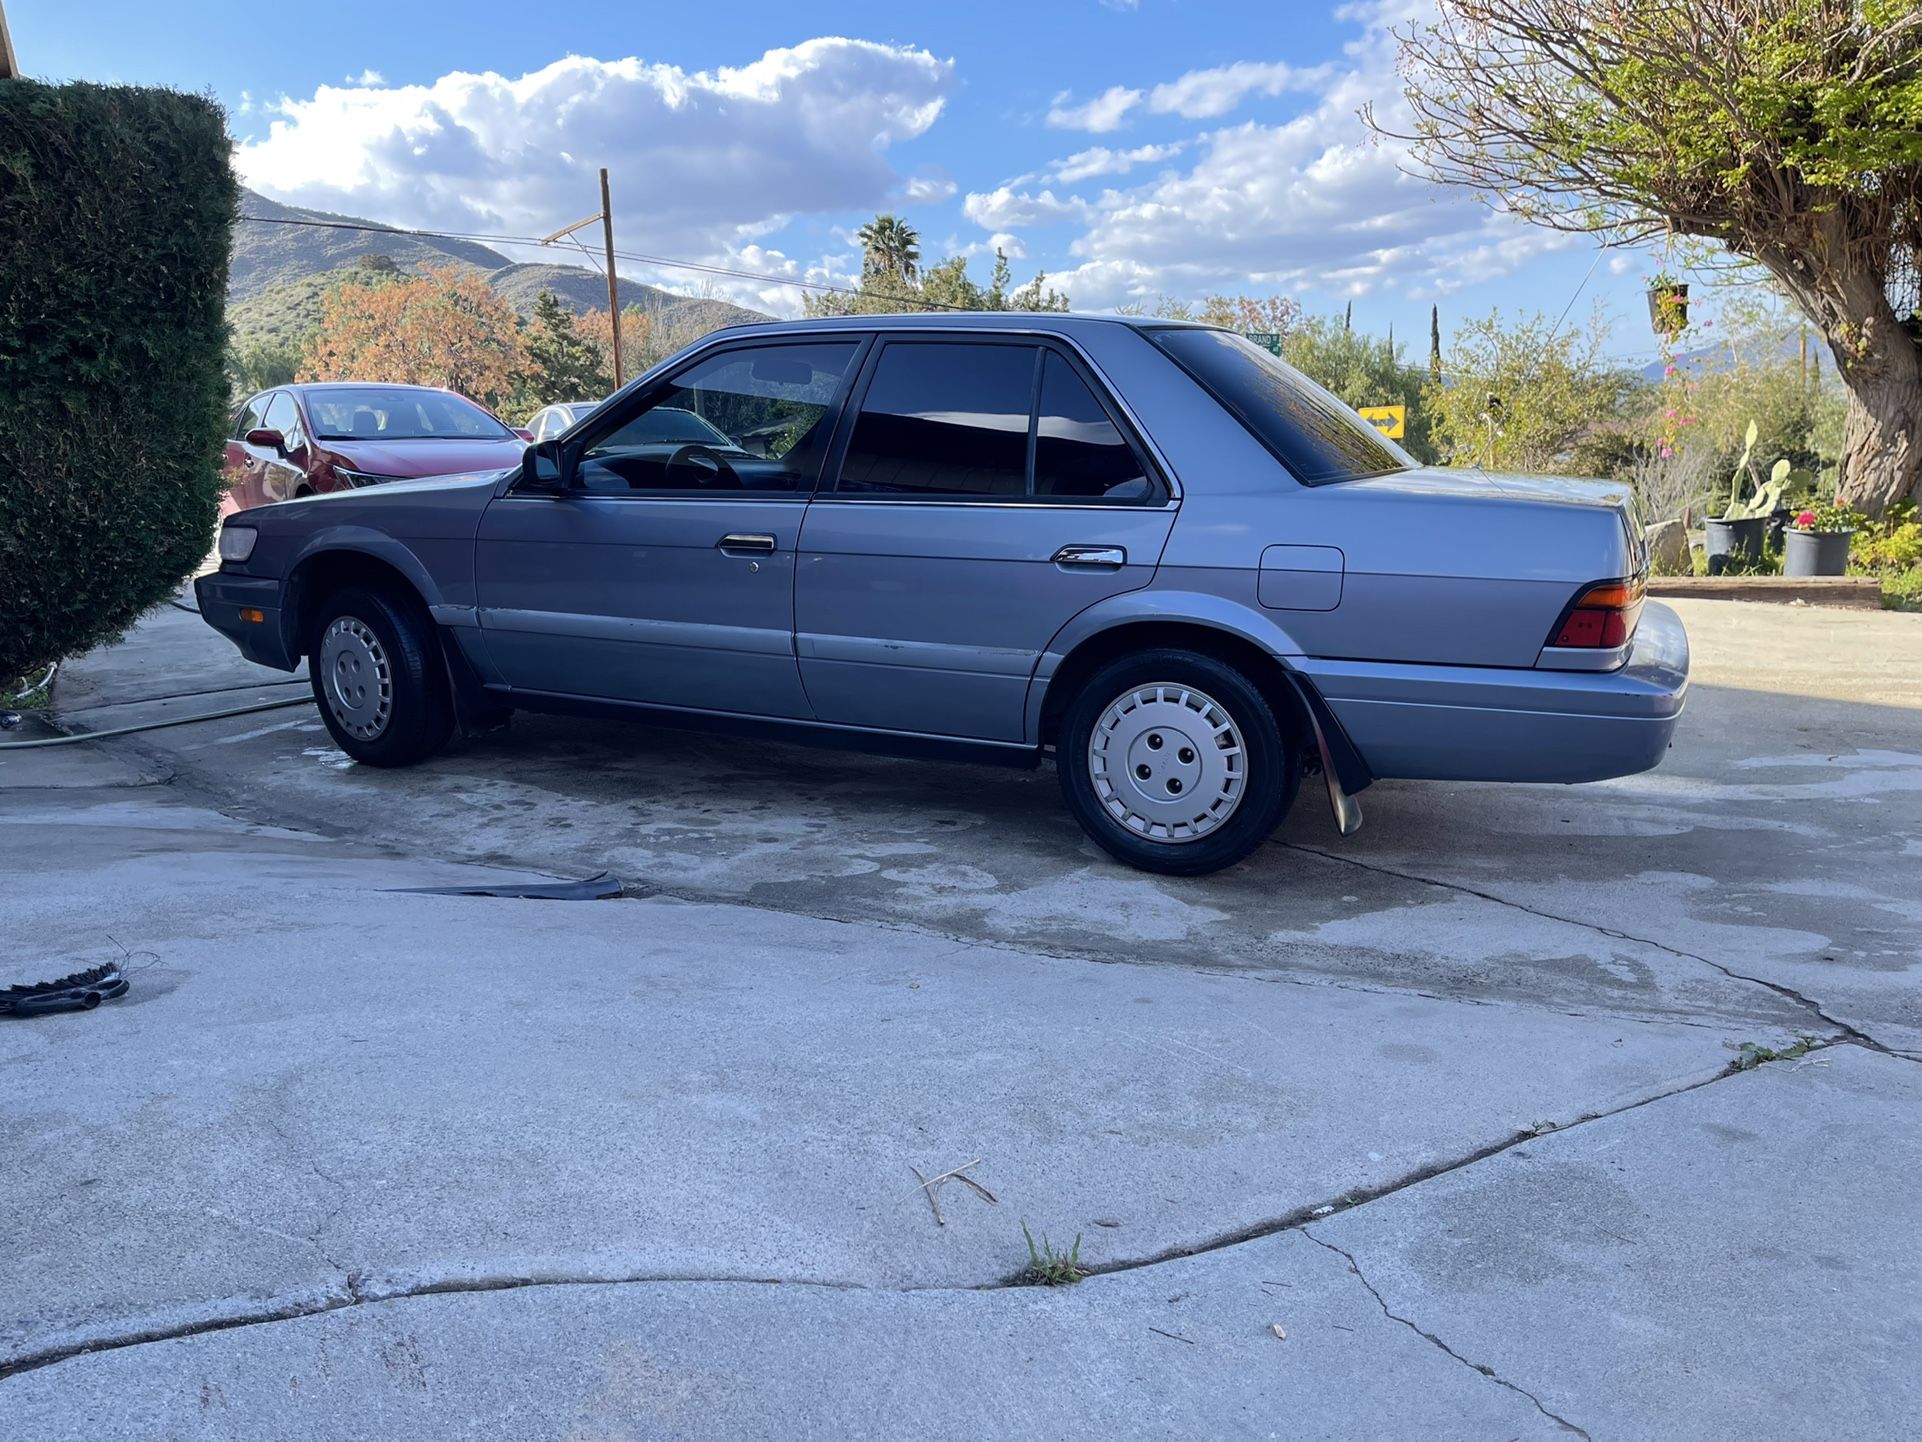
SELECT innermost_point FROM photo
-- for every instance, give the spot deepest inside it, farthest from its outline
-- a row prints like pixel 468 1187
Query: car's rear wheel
pixel 378 679
pixel 1174 762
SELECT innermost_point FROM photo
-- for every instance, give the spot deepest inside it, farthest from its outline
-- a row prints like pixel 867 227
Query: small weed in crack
pixel 1049 1268
pixel 1751 1054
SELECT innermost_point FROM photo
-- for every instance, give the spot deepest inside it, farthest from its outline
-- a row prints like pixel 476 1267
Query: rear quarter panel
pixel 1437 567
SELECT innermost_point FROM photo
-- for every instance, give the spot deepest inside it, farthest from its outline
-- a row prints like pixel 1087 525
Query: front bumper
pixel 268 641
pixel 1469 723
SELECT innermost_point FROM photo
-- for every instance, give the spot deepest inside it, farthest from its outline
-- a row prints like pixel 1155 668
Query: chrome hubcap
pixel 356 678
pixel 1167 762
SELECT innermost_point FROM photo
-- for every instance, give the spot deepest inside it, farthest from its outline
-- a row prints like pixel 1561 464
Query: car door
pixel 665 573
pixel 982 495
pixel 241 468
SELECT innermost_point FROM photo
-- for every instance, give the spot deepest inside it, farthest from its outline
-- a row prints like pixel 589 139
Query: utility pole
pixel 9 67
pixel 613 283
pixel 606 218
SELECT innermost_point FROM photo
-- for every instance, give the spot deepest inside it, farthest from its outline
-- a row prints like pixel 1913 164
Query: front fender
pixel 366 541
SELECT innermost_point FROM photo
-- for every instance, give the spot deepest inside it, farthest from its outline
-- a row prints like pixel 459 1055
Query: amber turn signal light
pixel 250 614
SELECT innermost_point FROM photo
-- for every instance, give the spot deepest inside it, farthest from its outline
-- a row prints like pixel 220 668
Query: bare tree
pixel 1784 129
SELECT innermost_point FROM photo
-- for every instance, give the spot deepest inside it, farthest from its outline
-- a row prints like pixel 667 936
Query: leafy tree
pixel 444 327
pixel 257 365
pixel 1520 396
pixel 1268 314
pixel 890 247
pixel 563 363
pixel 1788 131
pixel 1163 307
pixel 947 286
pixel 1363 371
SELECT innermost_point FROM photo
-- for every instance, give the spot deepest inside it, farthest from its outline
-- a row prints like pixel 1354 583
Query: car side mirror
pixel 268 437
pixel 547 467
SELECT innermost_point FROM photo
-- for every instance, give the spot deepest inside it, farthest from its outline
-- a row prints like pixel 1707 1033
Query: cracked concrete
pixel 347 1163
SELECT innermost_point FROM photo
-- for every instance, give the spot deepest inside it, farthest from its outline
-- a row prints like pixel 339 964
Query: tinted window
pixel 1079 454
pixel 284 416
pixel 1317 437
pixel 398 413
pixel 745 420
pixel 944 420
pixel 252 417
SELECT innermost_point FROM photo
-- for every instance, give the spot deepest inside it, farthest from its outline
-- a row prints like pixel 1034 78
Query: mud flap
pixel 1339 771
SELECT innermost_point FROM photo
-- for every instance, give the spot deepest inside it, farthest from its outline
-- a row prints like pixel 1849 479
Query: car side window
pixel 252 417
pixel 943 421
pixel 1080 454
pixel 284 416
pixel 755 419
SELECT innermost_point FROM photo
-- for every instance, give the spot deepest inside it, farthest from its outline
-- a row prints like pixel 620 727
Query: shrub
pixel 116 214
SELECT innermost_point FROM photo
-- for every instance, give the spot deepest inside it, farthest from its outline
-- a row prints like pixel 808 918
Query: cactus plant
pixel 1768 494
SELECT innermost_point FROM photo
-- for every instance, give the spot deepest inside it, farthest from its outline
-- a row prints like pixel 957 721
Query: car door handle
pixel 1104 558
pixel 745 543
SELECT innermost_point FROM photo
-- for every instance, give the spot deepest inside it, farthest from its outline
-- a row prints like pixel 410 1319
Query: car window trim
pixel 1043 342
pixel 645 399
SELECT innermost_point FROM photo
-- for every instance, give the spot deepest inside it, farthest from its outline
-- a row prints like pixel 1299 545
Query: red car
pixel 307 440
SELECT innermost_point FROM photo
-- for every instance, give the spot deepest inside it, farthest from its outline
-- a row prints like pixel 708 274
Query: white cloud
pixel 701 161
pixel 1123 5
pixel 1008 209
pixel 1315 206
pixel 930 187
pixel 1204 94
pixel 369 76
pixel 1085 164
pixel 1103 113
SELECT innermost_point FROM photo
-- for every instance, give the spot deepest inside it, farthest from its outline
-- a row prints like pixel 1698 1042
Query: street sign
pixel 1266 339
pixel 1391 421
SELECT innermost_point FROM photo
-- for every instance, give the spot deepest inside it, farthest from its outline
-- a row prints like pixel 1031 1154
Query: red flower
pixel 1805 521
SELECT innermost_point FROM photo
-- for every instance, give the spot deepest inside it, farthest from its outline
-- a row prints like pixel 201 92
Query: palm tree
pixel 890 247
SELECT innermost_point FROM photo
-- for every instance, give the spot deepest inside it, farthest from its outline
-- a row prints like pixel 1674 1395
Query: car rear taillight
pixel 1603 616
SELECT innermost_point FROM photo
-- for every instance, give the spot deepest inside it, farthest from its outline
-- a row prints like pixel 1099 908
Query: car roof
pixel 1051 321
pixel 364 385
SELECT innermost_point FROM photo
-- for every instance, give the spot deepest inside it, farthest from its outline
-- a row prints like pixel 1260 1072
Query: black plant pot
pixel 1730 540
pixel 1778 524
pixel 1668 309
pixel 1816 553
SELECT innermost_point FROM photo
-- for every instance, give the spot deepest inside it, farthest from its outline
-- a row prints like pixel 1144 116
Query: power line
pixel 662 262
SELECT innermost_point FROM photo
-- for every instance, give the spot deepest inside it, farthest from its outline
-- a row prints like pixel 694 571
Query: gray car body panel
pixel 1415 604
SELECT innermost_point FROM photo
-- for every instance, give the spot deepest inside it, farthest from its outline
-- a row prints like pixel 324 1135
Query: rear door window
pixel 988 421
pixel 1313 434
pixel 944 421
pixel 1079 452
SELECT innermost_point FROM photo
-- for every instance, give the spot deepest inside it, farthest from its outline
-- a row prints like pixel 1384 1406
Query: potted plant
pixel 1817 541
pixel 1743 524
pixel 1668 304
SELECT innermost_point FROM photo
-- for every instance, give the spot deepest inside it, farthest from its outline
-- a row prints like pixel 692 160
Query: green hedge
pixel 116 215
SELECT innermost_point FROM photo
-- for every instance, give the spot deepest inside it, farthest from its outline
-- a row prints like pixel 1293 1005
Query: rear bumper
pixel 268 641
pixel 1468 723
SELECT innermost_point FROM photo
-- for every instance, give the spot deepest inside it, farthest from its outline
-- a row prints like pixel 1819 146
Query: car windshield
pixel 1319 439
pixel 399 413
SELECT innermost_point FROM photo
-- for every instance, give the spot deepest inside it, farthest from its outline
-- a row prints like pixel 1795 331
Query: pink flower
pixel 1804 521
pixel 1670 413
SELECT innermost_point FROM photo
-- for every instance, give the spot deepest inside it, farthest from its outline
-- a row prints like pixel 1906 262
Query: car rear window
pixel 1313 434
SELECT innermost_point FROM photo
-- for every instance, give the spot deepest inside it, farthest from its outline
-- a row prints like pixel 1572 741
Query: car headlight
pixel 359 478
pixel 237 542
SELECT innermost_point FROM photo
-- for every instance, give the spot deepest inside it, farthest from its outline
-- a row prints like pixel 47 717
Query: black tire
pixel 1270 768
pixel 419 713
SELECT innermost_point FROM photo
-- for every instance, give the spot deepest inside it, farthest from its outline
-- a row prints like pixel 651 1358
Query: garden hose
pixel 79 736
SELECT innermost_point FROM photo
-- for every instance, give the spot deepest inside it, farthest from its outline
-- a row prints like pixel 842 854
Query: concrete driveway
pixel 1449 1105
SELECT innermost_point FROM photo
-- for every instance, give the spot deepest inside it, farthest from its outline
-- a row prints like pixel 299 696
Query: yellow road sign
pixel 1391 421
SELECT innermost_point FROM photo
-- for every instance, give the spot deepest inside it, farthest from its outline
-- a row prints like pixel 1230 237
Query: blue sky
pixel 1129 149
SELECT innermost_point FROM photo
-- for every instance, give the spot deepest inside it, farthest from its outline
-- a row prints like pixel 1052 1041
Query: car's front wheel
pixel 378 678
pixel 1174 762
